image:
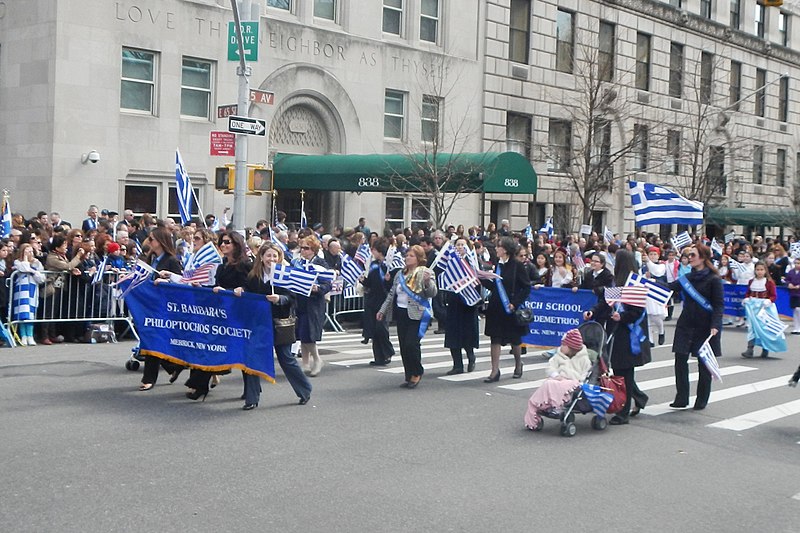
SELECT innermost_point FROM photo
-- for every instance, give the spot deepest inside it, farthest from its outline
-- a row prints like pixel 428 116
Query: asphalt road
pixel 83 450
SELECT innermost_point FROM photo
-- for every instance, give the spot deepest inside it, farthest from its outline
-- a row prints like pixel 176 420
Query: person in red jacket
pixel 761 286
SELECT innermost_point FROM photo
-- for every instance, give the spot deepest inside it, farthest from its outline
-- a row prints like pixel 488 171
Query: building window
pixel 394 114
pixel 735 88
pixel 640 146
pixel 560 145
pixel 420 212
pixel 736 14
pixel 783 99
pixel 430 117
pixel 395 212
pixel 758 165
pixel 761 92
pixel 141 199
pixel 196 82
pixel 675 70
pixel 518 134
pixel 643 61
pixel 780 168
pixel 429 21
pixel 519 31
pixel 717 181
pixel 173 209
pixel 705 8
pixel 783 28
pixel 601 164
pixel 797 169
pixel 676 3
pixel 706 76
pixel 562 223
pixel 606 51
pixel 393 16
pixel 565 41
pixel 760 20
pixel 138 89
pixel 280 4
pixel 325 9
pixel 673 162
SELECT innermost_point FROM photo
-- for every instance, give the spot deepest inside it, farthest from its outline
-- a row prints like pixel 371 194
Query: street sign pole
pixel 243 71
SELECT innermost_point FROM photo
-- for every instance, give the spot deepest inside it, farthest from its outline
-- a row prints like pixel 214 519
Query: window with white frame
pixel 759 20
pixel 420 211
pixel 519 31
pixel 560 145
pixel 705 8
pixel 565 40
pixel 761 92
pixel 141 198
pixel 606 51
pixel 643 61
pixel 783 28
pixel 675 70
pixel 196 84
pixel 138 87
pixel 518 134
pixel 758 165
pixel 717 180
pixel 673 162
pixel 783 99
pixel 325 9
pixel 780 168
pixel 395 212
pixel 430 117
pixel 706 76
pixel 393 16
pixel 173 211
pixel 429 21
pixel 640 146
pixel 736 14
pixel 280 4
pixel 735 86
pixel 394 113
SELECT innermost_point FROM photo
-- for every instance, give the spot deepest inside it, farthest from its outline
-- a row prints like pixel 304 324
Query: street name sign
pixel 247 126
pixel 258 96
pixel 224 111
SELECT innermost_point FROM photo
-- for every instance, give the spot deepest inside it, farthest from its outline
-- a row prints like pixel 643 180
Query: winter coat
pixel 695 323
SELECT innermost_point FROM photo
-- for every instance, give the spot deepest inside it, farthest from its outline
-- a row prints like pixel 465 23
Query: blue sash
pixel 696 296
pixel 637 334
pixel 423 302
pixel 501 291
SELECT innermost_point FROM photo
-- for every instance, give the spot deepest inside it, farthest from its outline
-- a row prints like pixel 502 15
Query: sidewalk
pixel 110 353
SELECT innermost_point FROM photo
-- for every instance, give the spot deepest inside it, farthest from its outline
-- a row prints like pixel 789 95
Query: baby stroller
pixel 594 338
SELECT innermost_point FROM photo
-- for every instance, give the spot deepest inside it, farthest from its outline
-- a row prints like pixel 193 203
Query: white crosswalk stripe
pixel 756 418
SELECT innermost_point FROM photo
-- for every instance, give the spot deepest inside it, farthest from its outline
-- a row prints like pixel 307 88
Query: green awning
pixel 501 172
pixel 732 216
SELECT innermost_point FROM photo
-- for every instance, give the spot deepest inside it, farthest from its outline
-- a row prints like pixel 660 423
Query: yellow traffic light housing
pixel 259 179
pixel 771 3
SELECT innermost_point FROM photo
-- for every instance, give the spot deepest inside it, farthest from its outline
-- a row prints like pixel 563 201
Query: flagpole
pixel 199 209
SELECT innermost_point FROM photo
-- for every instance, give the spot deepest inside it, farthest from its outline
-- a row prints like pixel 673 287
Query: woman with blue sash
pixel 630 346
pixel 703 304
pixel 377 282
pixel 409 301
pixel 509 292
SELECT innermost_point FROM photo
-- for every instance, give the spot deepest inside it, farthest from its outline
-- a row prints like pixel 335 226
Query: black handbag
pixel 285 331
pixel 523 316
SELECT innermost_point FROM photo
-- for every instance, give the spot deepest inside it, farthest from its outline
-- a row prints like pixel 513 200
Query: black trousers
pixel 382 349
pixel 199 380
pixel 630 385
pixel 458 360
pixel 151 365
pixel 408 337
pixel 682 381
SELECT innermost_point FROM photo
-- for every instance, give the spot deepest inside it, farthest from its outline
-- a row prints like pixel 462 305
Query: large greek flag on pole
pixel 654 204
pixel 5 218
pixel 184 189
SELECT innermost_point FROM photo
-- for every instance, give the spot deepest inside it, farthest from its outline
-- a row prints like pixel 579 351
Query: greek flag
pixel 101 270
pixel 529 232
pixel 771 323
pixel 716 247
pixel 441 255
pixel 363 254
pixel 681 240
pixel 137 246
pixel 457 276
pixel 323 273
pixel 706 355
pixel 737 267
pixel 729 237
pixel 794 250
pixel 206 254
pixel 394 260
pixel 351 270
pixel 141 273
pixel 184 189
pixel 303 219
pixel 654 204
pixel 5 230
pixel 273 238
pixel 608 235
pixel 296 280
pixel 548 228
pixel 655 292
pixel 597 398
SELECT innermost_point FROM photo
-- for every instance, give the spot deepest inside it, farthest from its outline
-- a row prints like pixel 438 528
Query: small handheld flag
pixel 101 270
pixel 296 280
pixel 716 247
pixel 681 240
pixel 635 295
pixel 351 270
pixel 608 235
pixel 655 292
pixel 706 355
pixel 547 228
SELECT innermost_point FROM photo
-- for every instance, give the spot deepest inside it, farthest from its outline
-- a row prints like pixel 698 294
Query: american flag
pixel 655 292
pixel 597 398
pixel 681 240
pixel 771 323
pixel 101 270
pixel 141 272
pixel 207 254
pixel 635 295
pixel 706 355
pixel 201 275
pixel 362 254
pixel 296 280
pixel 578 261
pixel 351 270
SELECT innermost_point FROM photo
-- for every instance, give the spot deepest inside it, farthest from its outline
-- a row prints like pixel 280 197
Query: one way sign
pixel 247 126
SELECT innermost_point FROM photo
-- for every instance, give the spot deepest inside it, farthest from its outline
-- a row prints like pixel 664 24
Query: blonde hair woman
pixel 311 309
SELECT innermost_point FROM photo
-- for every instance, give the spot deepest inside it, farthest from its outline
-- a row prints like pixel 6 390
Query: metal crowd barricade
pixel 348 302
pixel 65 297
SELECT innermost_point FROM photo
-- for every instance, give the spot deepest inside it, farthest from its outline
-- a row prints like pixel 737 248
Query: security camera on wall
pixel 93 157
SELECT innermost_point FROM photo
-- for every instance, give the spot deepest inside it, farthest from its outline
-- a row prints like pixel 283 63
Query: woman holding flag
pixel 311 309
pixel 461 322
pixel 409 300
pixel 625 321
pixel 700 323
pixel 760 297
pixel 377 282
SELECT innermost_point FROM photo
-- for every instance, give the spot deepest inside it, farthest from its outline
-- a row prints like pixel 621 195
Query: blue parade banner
pixel 555 311
pixel 202 329
pixel 734 294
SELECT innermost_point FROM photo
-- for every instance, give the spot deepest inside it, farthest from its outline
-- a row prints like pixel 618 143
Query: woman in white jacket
pixel 567 368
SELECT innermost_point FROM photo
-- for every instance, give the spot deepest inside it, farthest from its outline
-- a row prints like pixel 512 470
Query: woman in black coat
pixel 628 325
pixel 501 327
pixel 701 317
pixel 597 277
pixel 311 309
pixel 461 322
pixel 231 273
pixel 377 283
pixel 161 256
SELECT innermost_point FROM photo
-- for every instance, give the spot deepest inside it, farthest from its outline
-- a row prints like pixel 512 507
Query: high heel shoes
pixel 493 378
pixel 174 376
pixel 249 406
pixel 517 371
pixel 215 379
pixel 145 387
pixel 471 364
pixel 196 395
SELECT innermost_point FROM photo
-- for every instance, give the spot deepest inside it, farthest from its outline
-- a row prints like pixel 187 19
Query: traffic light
pixel 259 179
pixel 771 3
